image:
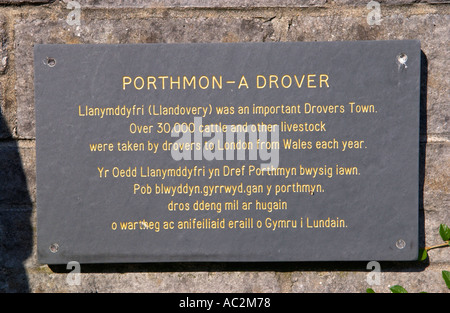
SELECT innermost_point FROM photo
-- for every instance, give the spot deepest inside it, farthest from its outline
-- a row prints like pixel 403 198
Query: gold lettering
pixel 177 82
pixel 151 81
pixel 289 79
pixel 299 85
pixel 188 82
pixel 324 79
pixel 142 83
pixel 311 80
pixel 126 80
pixel 258 85
pixel 243 82
pixel 273 79
pixel 216 82
pixel 200 82
pixel 163 79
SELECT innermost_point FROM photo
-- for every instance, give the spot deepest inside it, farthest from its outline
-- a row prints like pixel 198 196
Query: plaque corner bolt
pixel 54 247
pixel 50 62
pixel 402 58
pixel 400 244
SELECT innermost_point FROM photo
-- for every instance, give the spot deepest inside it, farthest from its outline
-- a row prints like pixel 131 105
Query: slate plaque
pixel 227 152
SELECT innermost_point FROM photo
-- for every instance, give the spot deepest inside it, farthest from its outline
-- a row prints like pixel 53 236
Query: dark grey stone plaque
pixel 227 152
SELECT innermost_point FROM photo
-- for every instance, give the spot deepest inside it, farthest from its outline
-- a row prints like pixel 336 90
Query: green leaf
pixel 444 231
pixel 370 290
pixel 398 289
pixel 446 276
pixel 423 254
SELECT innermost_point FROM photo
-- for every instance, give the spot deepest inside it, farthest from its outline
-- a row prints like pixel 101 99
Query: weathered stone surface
pixel 433 219
pixel 24 1
pixel 199 3
pixel 436 174
pixel 291 279
pixel 436 197
pixel 356 281
pixel 235 3
pixel 5 117
pixel 388 2
pixel 3 45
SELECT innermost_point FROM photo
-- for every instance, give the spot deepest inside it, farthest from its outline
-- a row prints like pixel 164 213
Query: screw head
pixel 402 58
pixel 51 62
pixel 400 244
pixel 54 247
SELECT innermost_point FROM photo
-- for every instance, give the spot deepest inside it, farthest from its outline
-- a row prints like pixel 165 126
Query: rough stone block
pixel 4 132
pixel 24 1
pixel 436 190
pixel 433 219
pixel 199 3
pixel 436 197
pixel 3 45
pixel 387 2
pixel 296 278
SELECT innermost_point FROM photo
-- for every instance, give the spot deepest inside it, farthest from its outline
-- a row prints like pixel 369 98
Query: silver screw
pixel 402 58
pixel 54 247
pixel 400 244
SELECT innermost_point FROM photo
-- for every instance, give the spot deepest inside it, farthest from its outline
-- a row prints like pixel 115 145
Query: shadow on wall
pixel 16 237
pixel 423 144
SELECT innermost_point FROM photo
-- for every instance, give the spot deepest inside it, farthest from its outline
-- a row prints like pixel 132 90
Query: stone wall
pixel 24 23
